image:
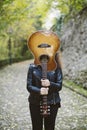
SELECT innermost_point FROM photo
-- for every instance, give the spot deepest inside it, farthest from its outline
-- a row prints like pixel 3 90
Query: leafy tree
pixel 70 8
pixel 23 18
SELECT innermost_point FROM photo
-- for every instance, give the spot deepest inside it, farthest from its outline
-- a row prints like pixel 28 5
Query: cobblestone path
pixel 14 112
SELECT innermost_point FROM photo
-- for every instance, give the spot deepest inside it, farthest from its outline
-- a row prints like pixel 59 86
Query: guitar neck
pixel 44 70
pixel 44 107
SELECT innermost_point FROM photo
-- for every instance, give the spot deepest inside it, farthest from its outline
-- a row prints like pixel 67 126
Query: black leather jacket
pixel 34 85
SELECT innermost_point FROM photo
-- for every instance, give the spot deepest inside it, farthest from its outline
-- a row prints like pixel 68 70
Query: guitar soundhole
pixel 44 58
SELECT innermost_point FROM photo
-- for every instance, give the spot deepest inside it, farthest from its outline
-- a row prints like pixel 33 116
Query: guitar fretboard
pixel 44 70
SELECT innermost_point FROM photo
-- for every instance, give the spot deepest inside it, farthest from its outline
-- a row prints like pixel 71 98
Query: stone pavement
pixel 14 112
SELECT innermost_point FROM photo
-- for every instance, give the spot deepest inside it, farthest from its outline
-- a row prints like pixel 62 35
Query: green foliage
pixel 77 88
pixel 58 25
pixel 70 8
pixel 18 20
pixel 3 11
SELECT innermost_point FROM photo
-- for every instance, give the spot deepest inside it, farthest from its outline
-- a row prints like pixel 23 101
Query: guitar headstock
pixel 44 107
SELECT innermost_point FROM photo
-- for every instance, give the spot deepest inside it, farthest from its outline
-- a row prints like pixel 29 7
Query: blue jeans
pixel 37 119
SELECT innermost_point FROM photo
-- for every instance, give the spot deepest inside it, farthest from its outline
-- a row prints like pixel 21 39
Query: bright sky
pixel 51 15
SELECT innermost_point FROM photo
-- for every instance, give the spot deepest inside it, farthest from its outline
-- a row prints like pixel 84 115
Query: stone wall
pixel 74 46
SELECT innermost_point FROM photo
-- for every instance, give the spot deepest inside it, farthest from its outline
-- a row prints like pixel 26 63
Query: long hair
pixel 58 59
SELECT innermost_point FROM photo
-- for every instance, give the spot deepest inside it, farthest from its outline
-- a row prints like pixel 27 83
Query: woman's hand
pixel 44 91
pixel 45 82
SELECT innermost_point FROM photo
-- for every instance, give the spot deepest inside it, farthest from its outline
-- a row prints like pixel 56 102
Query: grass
pixel 77 88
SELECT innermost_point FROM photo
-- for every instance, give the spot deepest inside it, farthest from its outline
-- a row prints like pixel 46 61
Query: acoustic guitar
pixel 44 45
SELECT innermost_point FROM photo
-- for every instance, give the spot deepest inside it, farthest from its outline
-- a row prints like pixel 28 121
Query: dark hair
pixel 58 60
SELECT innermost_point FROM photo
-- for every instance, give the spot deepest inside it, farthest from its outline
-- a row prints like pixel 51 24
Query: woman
pixel 53 84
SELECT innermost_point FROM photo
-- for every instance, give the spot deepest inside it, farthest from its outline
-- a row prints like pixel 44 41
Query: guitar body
pixel 44 43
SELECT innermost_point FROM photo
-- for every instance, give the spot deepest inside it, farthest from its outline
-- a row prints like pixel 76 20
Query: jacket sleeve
pixel 30 87
pixel 57 85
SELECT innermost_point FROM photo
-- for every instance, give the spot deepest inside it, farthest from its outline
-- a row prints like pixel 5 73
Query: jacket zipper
pixel 54 99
